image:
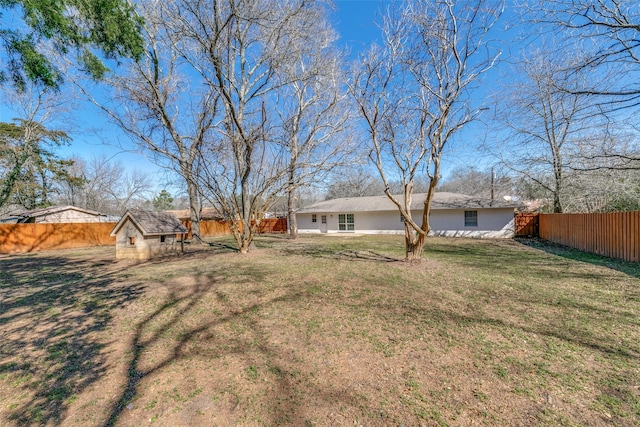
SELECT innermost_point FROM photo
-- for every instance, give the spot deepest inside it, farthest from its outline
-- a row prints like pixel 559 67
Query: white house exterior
pixel 451 215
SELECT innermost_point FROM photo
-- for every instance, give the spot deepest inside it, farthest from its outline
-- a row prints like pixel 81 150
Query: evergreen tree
pixel 163 201
pixel 82 26
pixel 27 166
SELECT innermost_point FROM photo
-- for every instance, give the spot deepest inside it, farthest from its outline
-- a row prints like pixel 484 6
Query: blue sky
pixel 355 21
pixel 94 136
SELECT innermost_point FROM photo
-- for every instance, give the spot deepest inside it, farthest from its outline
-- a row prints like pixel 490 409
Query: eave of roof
pixel 55 209
pixel 383 203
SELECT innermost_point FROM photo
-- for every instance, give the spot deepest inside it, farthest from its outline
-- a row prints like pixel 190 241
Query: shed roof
pixel 382 203
pixel 151 223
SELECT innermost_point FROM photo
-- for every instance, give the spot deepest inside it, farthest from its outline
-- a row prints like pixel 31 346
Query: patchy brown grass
pixel 321 331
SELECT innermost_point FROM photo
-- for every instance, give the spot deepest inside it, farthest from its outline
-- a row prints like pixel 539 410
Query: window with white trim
pixel 346 222
pixel 314 218
pixel 470 218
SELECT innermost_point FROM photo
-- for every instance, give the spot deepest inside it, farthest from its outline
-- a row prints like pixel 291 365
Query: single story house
pixel 452 214
pixel 144 234
pixel 57 215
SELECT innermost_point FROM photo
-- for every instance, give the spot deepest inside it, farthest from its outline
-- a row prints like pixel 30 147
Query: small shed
pixel 144 234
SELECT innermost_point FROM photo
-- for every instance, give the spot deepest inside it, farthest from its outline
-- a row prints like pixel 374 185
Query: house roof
pixel 382 203
pixel 55 209
pixel 151 223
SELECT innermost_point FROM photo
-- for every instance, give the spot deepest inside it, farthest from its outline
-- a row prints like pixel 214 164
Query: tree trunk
pixel 414 240
pixel 291 209
pixel 244 245
pixel 414 245
pixel 293 225
pixel 557 204
pixel 245 239
pixel 194 212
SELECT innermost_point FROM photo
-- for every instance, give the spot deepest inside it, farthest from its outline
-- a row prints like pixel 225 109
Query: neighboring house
pixel 451 215
pixel 56 214
pixel 144 234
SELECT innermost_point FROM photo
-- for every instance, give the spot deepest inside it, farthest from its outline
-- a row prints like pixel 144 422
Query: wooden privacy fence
pixel 616 234
pixel 273 225
pixel 526 224
pixel 15 238
pixel 40 237
pixel 210 228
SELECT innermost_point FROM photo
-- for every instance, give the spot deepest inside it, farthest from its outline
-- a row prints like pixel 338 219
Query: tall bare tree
pixel 555 138
pixel 608 34
pixel 157 102
pixel 240 49
pixel 413 94
pixel 104 185
pixel 313 112
pixel 545 123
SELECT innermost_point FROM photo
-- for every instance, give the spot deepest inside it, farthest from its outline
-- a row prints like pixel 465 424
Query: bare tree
pixel 608 34
pixel 313 112
pixel 413 94
pixel 489 183
pixel 240 49
pixel 555 136
pixel 167 112
pixel 354 181
pixel 104 186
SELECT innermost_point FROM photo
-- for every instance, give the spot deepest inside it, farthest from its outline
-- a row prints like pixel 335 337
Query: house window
pixel 163 238
pixel 323 219
pixel 132 240
pixel 402 219
pixel 314 218
pixel 346 222
pixel 470 218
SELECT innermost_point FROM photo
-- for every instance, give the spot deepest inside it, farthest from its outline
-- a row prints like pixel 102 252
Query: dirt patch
pixel 318 332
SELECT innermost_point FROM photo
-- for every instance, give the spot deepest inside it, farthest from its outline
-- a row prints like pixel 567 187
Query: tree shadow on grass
pixel 365 255
pixel 630 268
pixel 512 257
pixel 51 311
pixel 339 250
pixel 175 335
pixel 178 308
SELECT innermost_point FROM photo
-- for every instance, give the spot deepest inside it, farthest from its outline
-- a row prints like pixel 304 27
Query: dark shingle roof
pixel 382 203
pixel 152 223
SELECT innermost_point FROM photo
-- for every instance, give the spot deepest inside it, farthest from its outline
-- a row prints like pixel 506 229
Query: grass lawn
pixel 324 330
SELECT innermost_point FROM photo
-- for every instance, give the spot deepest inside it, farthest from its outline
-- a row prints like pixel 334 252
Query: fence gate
pixel 527 224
